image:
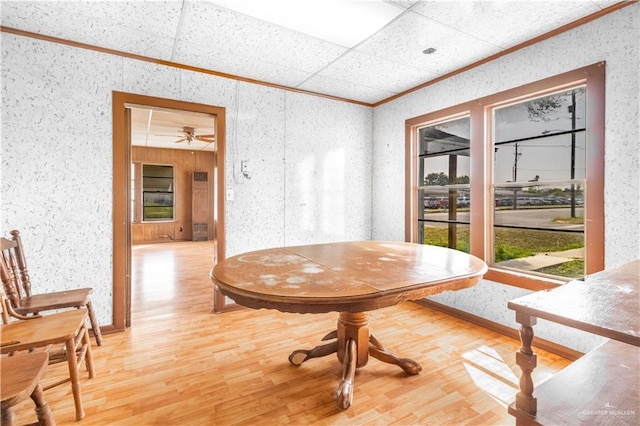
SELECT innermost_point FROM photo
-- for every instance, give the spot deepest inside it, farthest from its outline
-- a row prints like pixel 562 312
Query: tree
pixel 539 108
pixel 436 179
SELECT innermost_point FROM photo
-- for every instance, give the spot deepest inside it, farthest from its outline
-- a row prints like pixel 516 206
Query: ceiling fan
pixel 190 136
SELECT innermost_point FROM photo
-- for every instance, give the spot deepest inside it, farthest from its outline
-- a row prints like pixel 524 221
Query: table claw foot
pixel 345 395
pixel 345 390
pixel 301 355
pixel 331 336
pixel 409 366
pixel 298 357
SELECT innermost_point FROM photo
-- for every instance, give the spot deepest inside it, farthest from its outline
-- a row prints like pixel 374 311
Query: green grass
pixel 510 243
pixel 571 269
pixel 517 243
pixel 439 236
pixel 573 220
pixel 157 212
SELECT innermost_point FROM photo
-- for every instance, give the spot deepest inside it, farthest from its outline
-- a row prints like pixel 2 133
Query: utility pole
pixel 515 175
pixel 572 110
pixel 515 163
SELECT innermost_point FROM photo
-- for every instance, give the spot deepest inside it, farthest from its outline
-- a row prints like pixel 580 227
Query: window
pixel 515 178
pixel 443 172
pixel 157 192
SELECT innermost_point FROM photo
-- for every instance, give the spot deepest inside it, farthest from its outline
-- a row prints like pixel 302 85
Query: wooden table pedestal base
pixel 353 343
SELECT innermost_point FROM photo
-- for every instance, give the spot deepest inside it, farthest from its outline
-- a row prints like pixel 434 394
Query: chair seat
pixel 55 300
pixel 20 380
pixel 38 332
pixel 20 376
pixel 66 328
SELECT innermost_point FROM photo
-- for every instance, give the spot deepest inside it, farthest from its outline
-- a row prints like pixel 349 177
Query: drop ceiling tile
pixel 342 22
pixel 210 57
pixel 504 23
pixel 405 4
pixel 601 4
pixel 208 36
pixel 343 89
pixel 404 40
pixel 376 73
pixel 144 28
pixel 244 36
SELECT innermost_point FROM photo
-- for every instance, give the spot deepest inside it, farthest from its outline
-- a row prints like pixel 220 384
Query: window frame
pixel 421 157
pixel 142 192
pixel 481 178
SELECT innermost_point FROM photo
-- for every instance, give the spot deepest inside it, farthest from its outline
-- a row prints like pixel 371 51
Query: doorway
pixel 122 174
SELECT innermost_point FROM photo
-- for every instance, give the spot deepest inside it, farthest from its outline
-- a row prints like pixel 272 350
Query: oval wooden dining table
pixel 350 278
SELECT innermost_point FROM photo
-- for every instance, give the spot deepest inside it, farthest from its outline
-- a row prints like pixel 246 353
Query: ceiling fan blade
pixel 206 138
pixel 181 140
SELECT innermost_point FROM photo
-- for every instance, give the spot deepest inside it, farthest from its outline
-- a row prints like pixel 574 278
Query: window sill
pixel 523 280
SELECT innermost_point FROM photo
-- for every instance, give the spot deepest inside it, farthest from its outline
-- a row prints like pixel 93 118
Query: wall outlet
pixel 245 168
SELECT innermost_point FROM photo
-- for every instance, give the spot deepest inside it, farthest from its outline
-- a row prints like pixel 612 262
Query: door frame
pixel 122 195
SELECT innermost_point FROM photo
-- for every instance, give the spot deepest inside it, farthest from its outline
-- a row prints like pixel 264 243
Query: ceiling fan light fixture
pixel 190 135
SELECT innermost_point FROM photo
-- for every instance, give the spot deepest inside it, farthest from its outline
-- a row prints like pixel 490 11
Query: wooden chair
pixel 20 377
pixel 18 288
pixel 67 329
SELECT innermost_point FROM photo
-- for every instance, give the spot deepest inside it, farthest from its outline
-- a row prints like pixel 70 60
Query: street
pixel 527 217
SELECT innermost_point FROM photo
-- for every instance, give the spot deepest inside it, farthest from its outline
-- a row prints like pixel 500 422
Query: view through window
pixel 444 184
pixel 515 178
pixel 157 192
pixel 538 181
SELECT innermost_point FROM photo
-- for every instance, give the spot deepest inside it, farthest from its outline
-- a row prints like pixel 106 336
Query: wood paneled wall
pixel 185 162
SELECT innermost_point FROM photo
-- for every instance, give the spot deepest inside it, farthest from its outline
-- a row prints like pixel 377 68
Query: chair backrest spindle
pixel 21 261
pixel 6 309
pixel 8 275
pixel 17 288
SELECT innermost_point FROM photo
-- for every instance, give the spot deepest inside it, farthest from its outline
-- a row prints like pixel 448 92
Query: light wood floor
pixel 180 364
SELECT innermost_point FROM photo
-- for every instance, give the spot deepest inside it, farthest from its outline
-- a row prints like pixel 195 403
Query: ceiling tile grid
pixel 341 88
pixel 391 60
pixel 505 23
pixel 404 40
pixel 142 28
pixel 375 72
pixel 223 31
pixel 211 36
pixel 206 57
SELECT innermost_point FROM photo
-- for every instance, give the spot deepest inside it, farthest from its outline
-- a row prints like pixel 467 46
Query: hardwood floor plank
pixel 181 364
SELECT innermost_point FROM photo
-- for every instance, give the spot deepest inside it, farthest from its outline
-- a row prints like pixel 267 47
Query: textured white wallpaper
pixel 328 181
pixel 614 39
pixel 57 160
pixel 321 170
pixel 56 163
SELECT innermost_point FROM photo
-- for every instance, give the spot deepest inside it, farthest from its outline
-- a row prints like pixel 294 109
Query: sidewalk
pixel 542 260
